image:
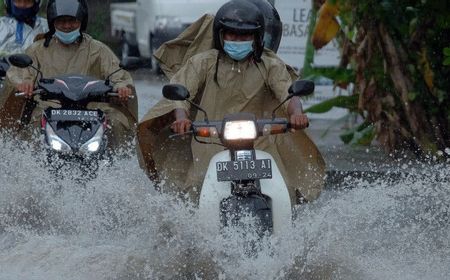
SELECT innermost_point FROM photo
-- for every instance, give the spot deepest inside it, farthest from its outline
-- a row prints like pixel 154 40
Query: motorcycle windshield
pixel 75 87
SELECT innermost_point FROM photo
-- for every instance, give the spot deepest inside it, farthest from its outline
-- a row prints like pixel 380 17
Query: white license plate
pixel 73 115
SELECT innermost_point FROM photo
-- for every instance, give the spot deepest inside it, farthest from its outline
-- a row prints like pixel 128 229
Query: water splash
pixel 117 227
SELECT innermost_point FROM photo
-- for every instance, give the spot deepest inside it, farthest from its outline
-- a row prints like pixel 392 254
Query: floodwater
pixel 117 227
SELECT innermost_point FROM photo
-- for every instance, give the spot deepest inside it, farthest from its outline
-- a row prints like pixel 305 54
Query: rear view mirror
pixel 3 67
pixel 130 63
pixel 175 92
pixel 301 88
pixel 20 60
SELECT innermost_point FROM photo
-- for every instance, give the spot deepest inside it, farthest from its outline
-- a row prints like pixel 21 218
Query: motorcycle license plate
pixel 244 170
pixel 73 115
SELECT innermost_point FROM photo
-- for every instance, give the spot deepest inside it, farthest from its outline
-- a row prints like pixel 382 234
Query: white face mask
pixel 67 37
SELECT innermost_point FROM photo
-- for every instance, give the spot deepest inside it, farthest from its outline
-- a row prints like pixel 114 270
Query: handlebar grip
pixel 22 94
pixel 288 127
pixel 116 94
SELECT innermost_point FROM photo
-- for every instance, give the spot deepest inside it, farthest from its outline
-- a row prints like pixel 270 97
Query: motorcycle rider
pixel 237 75
pixel 21 25
pixel 18 29
pixel 67 49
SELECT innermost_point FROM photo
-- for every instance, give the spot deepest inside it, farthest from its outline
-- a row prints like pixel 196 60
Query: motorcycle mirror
pixel 180 93
pixel 130 63
pixel 301 88
pixel 3 68
pixel 20 60
pixel 298 88
pixel 175 92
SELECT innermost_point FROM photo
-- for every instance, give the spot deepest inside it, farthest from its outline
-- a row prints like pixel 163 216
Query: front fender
pixel 213 192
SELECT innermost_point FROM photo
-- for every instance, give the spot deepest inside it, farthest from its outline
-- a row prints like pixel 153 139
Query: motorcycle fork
pixel 247 199
pixel 244 188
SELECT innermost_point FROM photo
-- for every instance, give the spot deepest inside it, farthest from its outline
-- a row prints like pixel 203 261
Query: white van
pixel 144 25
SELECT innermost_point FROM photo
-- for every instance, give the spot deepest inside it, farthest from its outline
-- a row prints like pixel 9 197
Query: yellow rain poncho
pixel 241 87
pixel 91 58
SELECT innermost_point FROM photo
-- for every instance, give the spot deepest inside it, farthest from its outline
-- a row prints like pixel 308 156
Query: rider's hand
pixel 298 121
pixel 124 93
pixel 26 88
pixel 182 124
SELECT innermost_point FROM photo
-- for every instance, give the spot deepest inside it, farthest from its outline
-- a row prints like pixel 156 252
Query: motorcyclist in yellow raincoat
pixel 67 49
pixel 237 75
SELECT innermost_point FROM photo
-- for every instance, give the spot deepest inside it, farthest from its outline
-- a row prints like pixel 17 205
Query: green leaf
pixel 347 102
pixel 363 134
pixel 347 137
pixel 447 61
pixel 442 95
pixel 412 95
pixel 447 51
pixel 337 74
pixel 365 137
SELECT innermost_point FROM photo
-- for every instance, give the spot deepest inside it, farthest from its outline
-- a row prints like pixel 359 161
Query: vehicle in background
pixel 143 26
pixel 123 26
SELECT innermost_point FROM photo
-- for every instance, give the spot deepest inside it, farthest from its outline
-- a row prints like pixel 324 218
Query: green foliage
pixel 447 56
pixel 360 135
pixel 419 30
pixel 346 102
pixel 309 55
pixel 338 75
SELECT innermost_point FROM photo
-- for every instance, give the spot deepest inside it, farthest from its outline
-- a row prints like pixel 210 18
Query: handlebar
pixel 116 94
pixel 40 91
pixel 214 129
pixel 22 94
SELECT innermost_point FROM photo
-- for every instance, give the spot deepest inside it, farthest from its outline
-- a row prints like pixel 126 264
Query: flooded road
pixel 117 227
pixel 148 88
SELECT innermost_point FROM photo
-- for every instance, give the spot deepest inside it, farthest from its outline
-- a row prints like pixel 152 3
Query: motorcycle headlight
pixel 240 130
pixel 93 145
pixel 55 142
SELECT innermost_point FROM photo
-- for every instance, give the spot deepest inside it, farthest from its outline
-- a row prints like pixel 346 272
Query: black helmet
pixel 274 26
pixel 241 17
pixel 35 8
pixel 58 8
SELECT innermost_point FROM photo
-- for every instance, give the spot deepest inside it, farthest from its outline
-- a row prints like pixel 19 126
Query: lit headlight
pixel 239 130
pixel 93 145
pixel 55 142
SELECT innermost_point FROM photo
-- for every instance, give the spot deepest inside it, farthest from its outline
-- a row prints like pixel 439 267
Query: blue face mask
pixel 67 38
pixel 238 50
pixel 23 14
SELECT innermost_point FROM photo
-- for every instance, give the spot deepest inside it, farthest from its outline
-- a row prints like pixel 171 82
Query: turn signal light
pixel 206 131
pixel 270 129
